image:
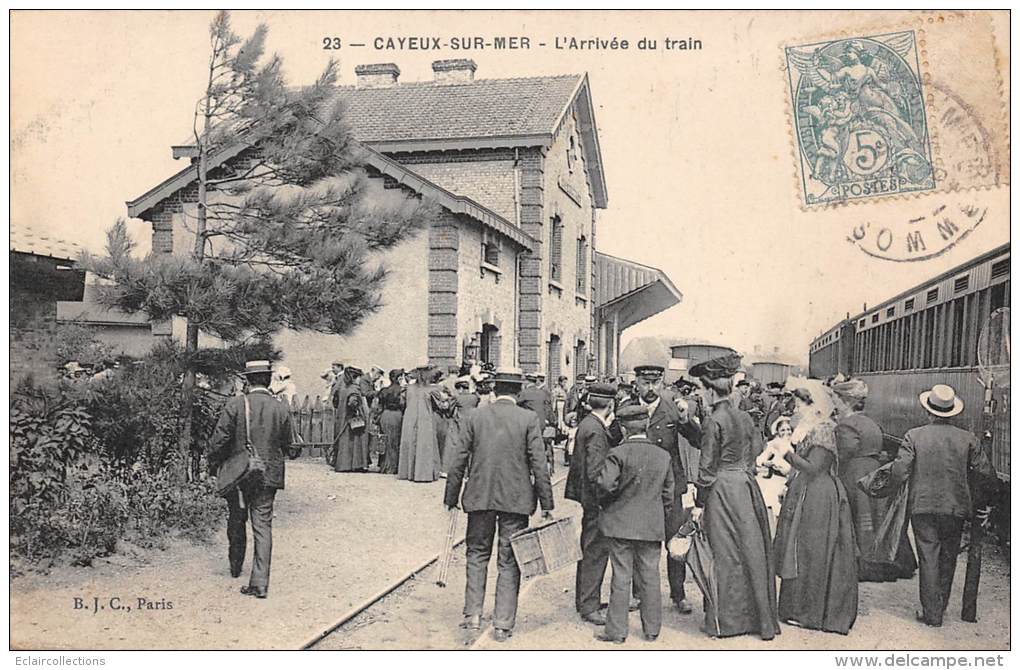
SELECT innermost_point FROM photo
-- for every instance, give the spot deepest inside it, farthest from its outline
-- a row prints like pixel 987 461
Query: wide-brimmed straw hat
pixel 941 401
pixel 255 367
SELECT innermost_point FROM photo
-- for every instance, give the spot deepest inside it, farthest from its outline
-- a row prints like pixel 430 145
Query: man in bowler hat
pixel 267 428
pixel 500 453
pixel 636 489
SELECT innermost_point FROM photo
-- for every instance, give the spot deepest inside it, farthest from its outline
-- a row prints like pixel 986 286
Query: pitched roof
pixel 27 240
pixel 454 202
pixel 482 108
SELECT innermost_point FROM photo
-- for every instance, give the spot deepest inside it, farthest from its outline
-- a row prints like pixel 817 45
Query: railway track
pixel 394 587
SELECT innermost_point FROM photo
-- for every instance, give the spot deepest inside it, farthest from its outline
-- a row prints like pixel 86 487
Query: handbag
pixel 242 467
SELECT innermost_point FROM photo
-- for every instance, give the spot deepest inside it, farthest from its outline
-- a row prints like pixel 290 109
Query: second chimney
pixel 454 71
pixel 377 75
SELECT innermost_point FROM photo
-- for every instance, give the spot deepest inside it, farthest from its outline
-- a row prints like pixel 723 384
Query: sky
pixel 696 144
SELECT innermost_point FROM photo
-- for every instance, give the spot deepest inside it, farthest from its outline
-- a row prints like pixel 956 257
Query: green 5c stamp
pixel 859 118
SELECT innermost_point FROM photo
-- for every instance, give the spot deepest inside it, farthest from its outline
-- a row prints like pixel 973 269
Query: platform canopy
pixel 628 293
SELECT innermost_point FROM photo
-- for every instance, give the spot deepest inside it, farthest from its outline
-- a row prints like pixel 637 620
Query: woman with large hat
pixel 735 519
pixel 419 450
pixel 816 556
pixel 859 445
pixel 350 434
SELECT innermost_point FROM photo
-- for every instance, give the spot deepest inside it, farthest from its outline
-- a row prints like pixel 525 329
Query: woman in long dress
pixel 350 441
pixel 392 401
pixel 816 554
pixel 859 444
pixel 734 519
pixel 419 451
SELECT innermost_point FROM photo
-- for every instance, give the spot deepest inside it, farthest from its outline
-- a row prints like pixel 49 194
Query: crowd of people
pixel 408 422
pixel 780 481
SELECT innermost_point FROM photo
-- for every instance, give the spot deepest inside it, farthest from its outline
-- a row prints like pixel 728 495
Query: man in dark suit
pixel 678 435
pixel 592 443
pixel 500 452
pixel 539 401
pixel 267 427
pixel 939 458
pixel 636 488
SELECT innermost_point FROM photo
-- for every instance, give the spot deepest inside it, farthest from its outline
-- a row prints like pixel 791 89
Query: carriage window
pixel 1000 269
pixel 961 284
pixel 908 305
pixel 933 295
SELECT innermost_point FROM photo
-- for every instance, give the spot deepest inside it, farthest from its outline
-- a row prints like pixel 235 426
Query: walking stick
pixel 444 558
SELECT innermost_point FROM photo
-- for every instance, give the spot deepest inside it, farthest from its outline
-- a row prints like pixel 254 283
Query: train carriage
pixel 930 335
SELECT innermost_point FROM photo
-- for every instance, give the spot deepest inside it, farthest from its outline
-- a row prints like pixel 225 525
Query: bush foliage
pixel 91 461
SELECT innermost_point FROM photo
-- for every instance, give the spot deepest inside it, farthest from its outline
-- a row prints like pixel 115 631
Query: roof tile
pixel 481 108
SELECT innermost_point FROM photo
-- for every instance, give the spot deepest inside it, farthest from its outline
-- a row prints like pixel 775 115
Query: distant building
pixel 510 274
pixel 42 274
pixel 683 357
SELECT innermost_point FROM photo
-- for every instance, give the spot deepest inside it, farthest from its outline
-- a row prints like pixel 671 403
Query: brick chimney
pixel 454 71
pixel 377 75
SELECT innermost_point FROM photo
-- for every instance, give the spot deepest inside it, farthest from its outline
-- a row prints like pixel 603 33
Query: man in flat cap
pixel 259 420
pixel 679 436
pixel 501 456
pixel 636 489
pixel 592 443
pixel 575 397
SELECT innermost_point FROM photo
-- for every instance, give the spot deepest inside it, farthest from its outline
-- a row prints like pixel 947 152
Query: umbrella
pixel 701 563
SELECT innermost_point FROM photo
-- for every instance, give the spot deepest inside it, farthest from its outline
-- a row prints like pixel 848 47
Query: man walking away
pixel 938 458
pixel 636 486
pixel 500 453
pixel 267 428
pixel 592 443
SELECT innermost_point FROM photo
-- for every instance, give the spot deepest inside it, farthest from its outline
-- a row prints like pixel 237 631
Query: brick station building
pixel 509 274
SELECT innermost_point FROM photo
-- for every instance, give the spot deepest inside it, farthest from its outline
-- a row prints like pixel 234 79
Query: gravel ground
pixel 331 555
pixel 338 540
pixel 420 615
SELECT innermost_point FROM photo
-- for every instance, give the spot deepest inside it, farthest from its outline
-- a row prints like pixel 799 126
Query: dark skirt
pixel 737 526
pixel 868 514
pixel 390 422
pixel 816 555
pixel 351 450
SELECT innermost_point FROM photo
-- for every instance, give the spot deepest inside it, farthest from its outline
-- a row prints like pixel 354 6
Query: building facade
pixel 508 274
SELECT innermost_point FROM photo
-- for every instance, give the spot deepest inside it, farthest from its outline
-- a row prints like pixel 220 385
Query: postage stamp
pixel 861 129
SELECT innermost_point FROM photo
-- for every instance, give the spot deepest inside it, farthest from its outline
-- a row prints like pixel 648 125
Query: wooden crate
pixel 546 547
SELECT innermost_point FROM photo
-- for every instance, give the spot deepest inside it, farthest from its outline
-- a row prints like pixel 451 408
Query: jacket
pixel 592 443
pixel 538 401
pixel 637 490
pixel 939 458
pixel 500 451
pixel 270 430
pixel 666 431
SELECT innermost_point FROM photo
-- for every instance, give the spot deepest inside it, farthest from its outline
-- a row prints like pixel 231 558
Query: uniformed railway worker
pixel 673 433
pixel 592 443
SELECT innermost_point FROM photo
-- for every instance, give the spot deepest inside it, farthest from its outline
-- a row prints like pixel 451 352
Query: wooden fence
pixel 313 420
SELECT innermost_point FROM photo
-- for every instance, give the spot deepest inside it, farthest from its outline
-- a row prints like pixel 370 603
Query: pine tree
pixel 284 231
